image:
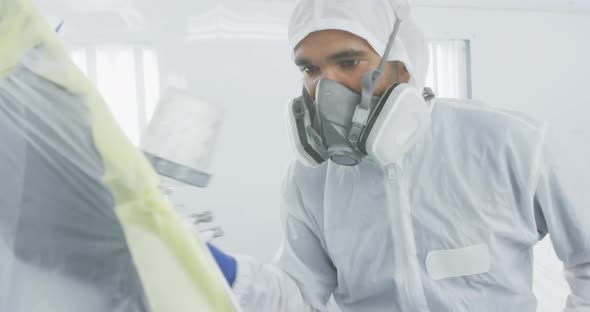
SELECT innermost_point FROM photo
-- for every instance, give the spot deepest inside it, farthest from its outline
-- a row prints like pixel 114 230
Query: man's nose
pixel 326 74
pixel 330 73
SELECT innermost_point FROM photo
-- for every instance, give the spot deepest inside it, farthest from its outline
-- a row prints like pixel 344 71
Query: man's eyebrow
pixel 301 61
pixel 348 54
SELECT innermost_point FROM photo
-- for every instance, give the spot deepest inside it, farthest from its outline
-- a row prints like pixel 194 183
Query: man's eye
pixel 311 69
pixel 349 64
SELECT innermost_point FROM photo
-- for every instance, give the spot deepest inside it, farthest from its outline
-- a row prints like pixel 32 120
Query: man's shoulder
pixel 482 121
pixel 488 138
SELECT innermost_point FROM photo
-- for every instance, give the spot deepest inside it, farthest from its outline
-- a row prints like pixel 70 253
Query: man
pixel 448 222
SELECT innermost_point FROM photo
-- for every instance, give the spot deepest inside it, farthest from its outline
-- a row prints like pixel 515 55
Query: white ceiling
pixel 134 16
pixel 573 6
pixel 535 5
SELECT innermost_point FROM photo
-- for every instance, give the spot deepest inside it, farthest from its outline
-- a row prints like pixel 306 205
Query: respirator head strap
pixel 369 83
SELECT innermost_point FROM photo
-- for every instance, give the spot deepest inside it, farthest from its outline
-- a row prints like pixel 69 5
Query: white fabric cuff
pixel 242 287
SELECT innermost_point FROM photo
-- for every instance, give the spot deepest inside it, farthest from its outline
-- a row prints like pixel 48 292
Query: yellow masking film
pixel 15 22
pixel 174 268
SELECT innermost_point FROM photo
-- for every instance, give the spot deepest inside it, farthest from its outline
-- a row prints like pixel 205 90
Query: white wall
pixel 530 61
pixel 252 80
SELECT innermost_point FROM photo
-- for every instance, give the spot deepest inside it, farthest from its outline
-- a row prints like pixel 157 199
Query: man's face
pixel 343 57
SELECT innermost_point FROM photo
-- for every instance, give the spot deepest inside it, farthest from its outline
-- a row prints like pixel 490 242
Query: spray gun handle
pixel 205 217
pixel 210 234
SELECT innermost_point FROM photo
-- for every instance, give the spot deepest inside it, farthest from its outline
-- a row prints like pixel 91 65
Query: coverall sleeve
pixel 302 279
pixel 563 200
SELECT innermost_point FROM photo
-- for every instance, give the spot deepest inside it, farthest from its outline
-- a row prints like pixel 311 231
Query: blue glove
pixel 226 263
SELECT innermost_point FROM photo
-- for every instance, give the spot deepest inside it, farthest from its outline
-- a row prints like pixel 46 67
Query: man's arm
pixel 562 200
pixel 304 277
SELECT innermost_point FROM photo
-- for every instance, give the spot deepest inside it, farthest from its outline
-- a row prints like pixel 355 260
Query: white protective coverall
pixel 450 228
